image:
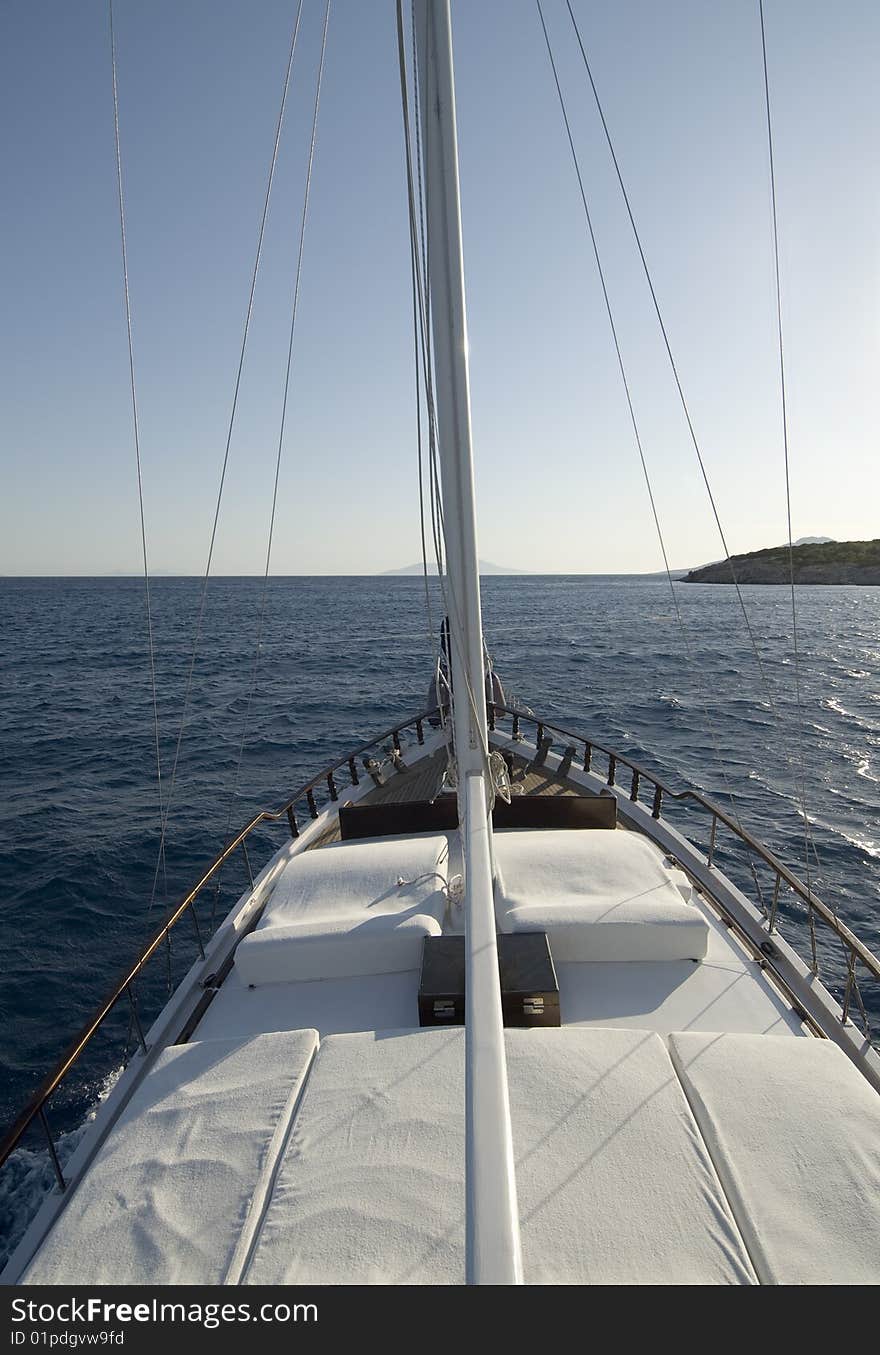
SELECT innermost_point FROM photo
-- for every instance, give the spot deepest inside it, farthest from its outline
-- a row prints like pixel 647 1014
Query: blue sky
pixel 558 481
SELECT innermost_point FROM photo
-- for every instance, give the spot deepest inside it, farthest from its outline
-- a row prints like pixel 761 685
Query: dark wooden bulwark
pixel 386 820
pixel 556 811
pixel 441 815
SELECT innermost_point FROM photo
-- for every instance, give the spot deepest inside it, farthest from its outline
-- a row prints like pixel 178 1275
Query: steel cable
pixel 283 422
pixel 230 427
pixel 137 451
pixel 808 838
pixel 638 440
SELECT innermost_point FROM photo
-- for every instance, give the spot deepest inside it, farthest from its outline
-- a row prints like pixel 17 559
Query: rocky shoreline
pixel 833 562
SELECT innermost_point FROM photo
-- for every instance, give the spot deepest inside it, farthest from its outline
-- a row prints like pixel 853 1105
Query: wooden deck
pixel 424 781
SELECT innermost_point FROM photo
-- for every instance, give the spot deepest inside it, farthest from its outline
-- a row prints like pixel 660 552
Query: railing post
pixel 813 950
pixel 291 819
pixel 634 792
pixel 420 732
pixel 775 904
pixel 612 768
pixel 52 1153
pixel 353 771
pixel 197 928
pixel 247 862
pixel 658 802
pixel 850 979
pixel 331 786
pixel 395 739
pixel 310 798
pixel 136 1018
pixel 588 756
pixel 712 841
pixel 515 730
pixel 565 763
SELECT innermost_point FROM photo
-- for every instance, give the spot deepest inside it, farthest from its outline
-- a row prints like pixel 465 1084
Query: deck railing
pixel 323 790
pixel 311 799
pixel 608 764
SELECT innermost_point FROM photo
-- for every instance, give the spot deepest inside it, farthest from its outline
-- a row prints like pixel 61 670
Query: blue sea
pixel 342 658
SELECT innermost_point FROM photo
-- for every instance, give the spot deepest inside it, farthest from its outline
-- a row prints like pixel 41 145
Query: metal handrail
pixel 35 1107
pixel 858 952
pixel 719 815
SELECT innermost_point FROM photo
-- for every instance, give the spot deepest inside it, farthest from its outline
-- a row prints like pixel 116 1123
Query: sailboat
pixel 488 1016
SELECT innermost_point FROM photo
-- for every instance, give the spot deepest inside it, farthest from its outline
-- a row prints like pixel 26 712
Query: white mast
pixel 493 1247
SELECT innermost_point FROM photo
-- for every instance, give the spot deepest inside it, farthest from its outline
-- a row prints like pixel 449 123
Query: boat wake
pixel 29 1176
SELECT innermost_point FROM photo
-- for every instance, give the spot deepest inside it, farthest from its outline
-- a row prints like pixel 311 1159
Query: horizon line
pixel 381 574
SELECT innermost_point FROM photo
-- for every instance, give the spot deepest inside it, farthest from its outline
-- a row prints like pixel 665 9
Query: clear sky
pixel 558 481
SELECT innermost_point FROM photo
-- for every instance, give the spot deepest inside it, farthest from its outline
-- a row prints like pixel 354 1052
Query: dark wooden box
pixel 529 988
pixel 441 987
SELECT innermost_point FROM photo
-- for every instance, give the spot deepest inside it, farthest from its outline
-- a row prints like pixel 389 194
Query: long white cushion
pixel 348 909
pixel 371 1186
pixel 615 1184
pixel 794 1131
pixel 175 1192
pixel 600 895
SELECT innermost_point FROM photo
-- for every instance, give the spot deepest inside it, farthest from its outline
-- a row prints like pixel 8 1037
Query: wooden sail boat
pixel 525 1032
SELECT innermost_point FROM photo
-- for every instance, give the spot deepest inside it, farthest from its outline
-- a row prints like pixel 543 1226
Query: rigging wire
pixel 672 363
pixel 416 339
pixel 137 448
pixel 635 427
pixel 420 457
pixel 422 294
pixel 420 261
pixel 230 427
pixel 808 838
pixel 279 453
pixel 435 497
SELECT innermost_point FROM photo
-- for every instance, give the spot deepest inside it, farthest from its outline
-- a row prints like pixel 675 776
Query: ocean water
pixel 341 659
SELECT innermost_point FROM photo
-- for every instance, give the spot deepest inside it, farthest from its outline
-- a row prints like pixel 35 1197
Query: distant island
pixel 486 567
pixel 815 561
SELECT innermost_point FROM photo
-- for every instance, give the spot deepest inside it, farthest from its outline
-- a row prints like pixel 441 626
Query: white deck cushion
pixel 175 1192
pixel 615 1184
pixel 338 948
pixel 599 895
pixel 794 1131
pixel 371 1186
pixel 339 912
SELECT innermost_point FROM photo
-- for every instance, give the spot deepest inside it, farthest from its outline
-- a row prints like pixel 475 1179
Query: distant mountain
pixel 815 562
pixel 486 567
pixel 813 540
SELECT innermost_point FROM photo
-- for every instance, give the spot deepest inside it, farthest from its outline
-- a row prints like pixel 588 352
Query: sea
pixel 707 705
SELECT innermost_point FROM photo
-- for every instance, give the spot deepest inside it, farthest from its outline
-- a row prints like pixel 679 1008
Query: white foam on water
pixel 870 846
pixel 832 703
pixel 28 1176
